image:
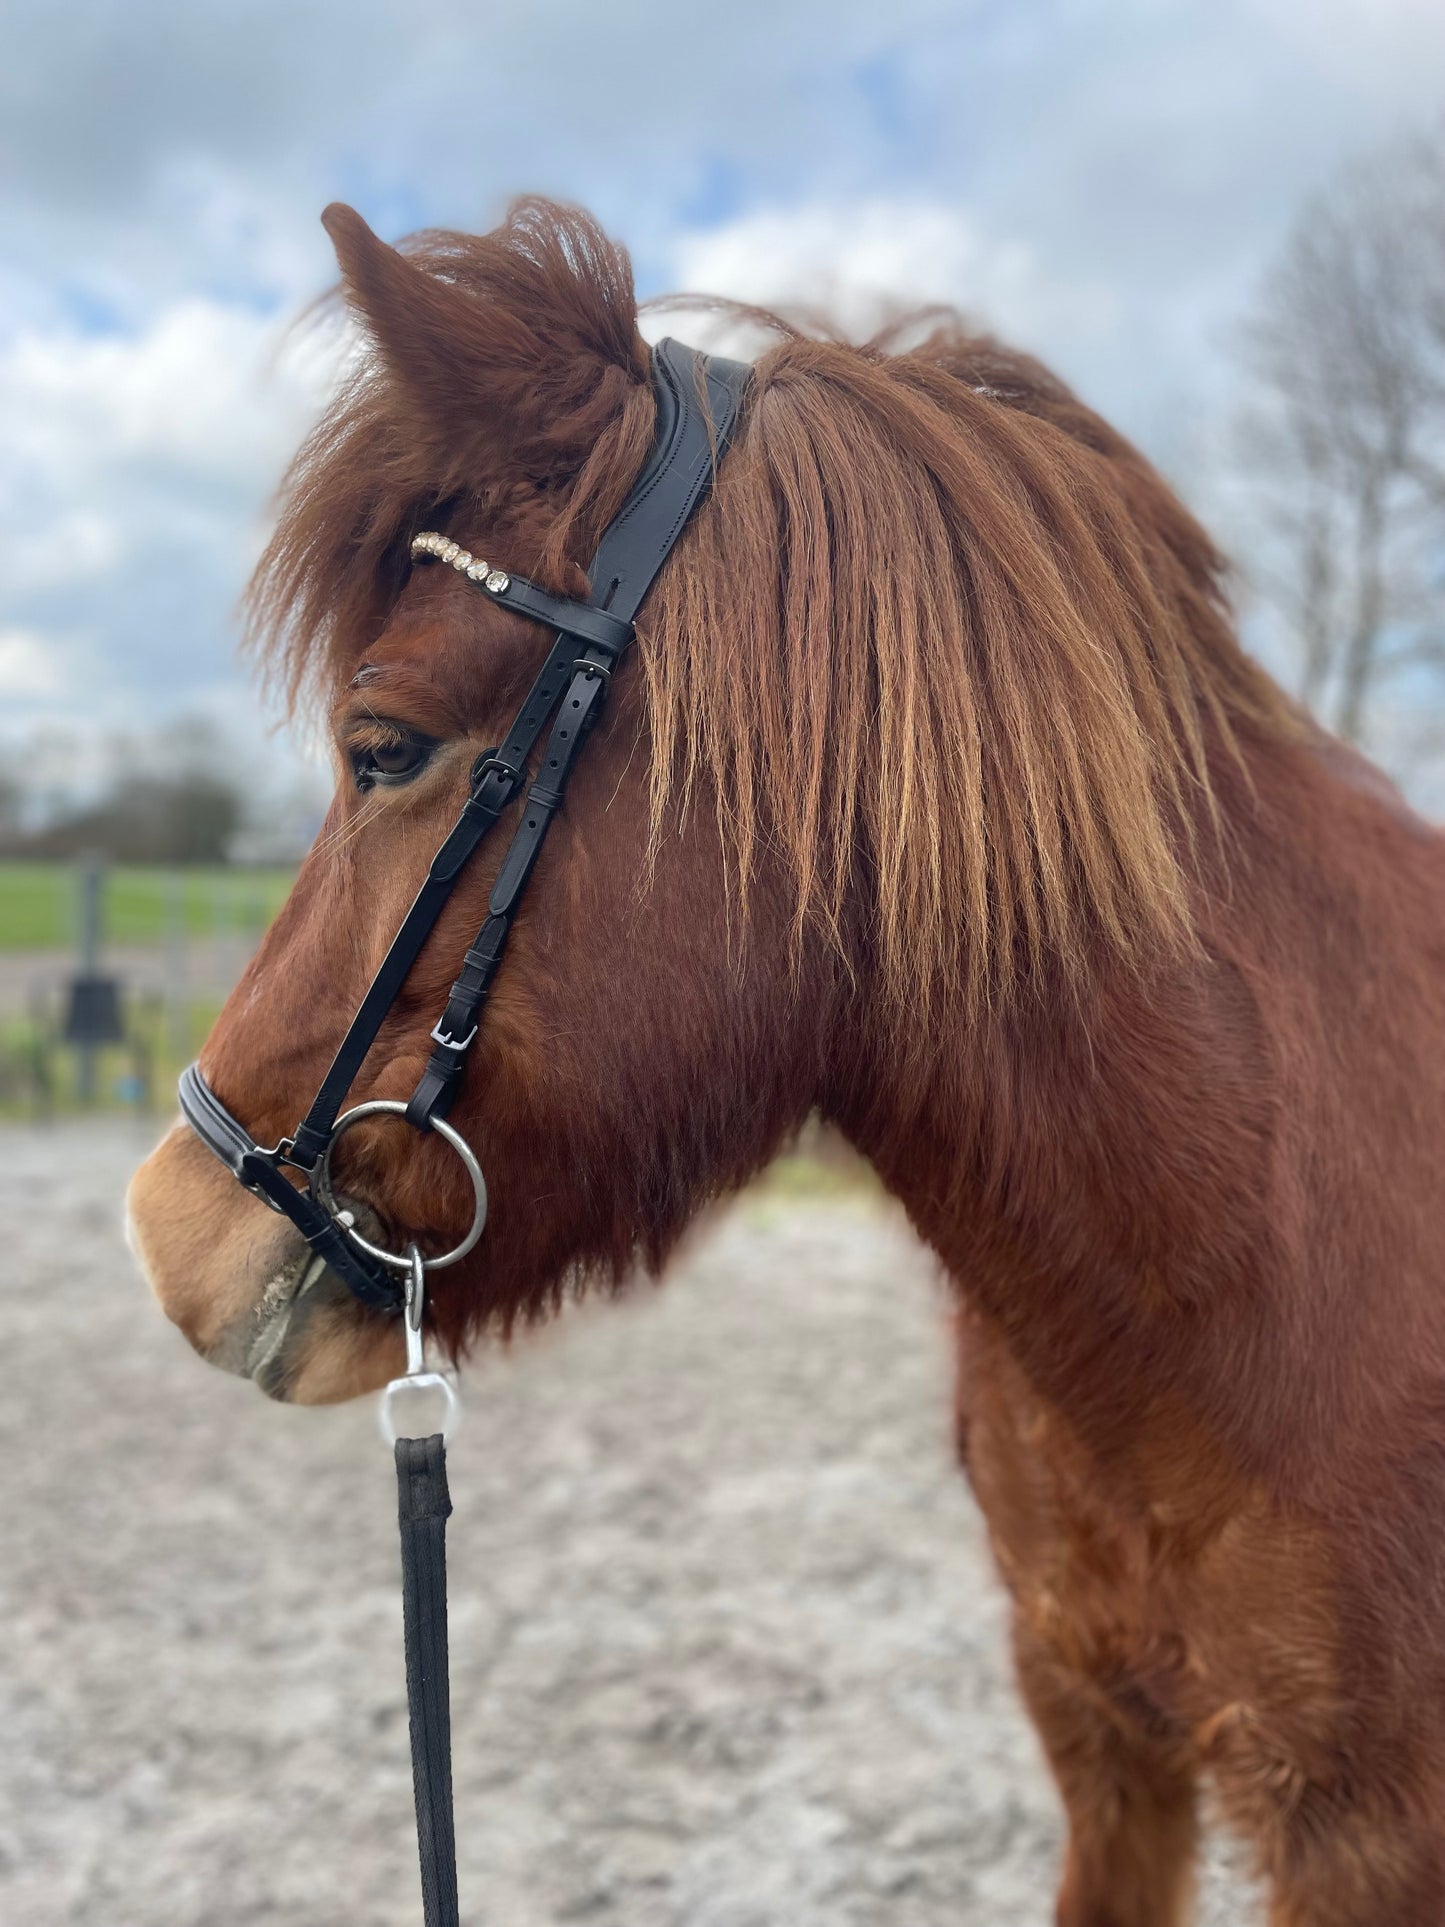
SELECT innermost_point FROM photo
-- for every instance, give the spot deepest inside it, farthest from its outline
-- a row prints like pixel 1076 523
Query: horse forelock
pixel 501 375
pixel 941 641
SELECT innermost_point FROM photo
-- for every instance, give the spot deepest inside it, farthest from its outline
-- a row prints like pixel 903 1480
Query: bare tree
pixel 1343 438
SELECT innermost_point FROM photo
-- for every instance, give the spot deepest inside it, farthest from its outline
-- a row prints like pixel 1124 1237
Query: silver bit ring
pixel 400 1260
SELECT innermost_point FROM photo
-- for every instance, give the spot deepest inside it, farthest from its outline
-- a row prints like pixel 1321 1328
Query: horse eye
pixel 390 762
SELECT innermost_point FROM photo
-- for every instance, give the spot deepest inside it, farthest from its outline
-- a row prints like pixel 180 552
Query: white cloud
pixel 132 489
pixel 1100 179
pixel 28 666
pixel 1358 45
pixel 39 554
pixel 204 391
pixel 857 260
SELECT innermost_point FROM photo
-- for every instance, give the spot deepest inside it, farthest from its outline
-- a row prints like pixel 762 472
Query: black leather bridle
pixel 698 398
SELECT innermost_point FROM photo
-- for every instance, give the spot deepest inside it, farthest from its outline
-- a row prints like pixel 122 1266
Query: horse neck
pixel 1097 1167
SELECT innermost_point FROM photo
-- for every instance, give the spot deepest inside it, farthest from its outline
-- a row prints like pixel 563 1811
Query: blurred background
pixel 1224 223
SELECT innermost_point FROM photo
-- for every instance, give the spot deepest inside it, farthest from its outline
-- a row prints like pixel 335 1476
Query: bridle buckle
pixel 445 1038
pixel 279 1154
pixel 484 765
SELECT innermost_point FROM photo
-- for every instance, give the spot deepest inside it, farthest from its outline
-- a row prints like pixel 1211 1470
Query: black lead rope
pixel 423 1507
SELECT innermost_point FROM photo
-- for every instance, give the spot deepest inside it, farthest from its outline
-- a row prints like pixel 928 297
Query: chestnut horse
pixel 938 799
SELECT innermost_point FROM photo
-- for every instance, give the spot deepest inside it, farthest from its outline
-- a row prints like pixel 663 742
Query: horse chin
pixel 281 1319
pixel 313 1344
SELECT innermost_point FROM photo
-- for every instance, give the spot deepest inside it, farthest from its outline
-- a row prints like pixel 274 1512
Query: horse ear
pixel 512 349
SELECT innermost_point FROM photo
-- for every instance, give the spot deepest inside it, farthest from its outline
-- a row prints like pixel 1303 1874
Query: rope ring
pixel 396 1260
pixel 451 1414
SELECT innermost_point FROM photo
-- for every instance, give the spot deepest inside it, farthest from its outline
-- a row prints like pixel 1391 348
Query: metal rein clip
pixel 416 1377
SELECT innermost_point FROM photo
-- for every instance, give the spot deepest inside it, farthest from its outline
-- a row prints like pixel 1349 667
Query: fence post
pixel 90 880
pixel 43 1030
pixel 177 990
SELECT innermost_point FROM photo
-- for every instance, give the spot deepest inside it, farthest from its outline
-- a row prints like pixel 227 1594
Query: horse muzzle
pixel 245 1288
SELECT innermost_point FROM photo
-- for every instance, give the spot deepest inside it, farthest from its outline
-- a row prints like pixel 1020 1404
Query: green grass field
pixel 39 1076
pixel 142 906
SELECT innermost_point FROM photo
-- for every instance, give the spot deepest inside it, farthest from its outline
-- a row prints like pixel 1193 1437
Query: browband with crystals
pixel 462 560
pixel 606 632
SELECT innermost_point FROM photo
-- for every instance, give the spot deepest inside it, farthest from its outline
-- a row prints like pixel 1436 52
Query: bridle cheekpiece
pixel 698 398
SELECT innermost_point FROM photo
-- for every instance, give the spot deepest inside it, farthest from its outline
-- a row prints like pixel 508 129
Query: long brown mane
pixel 938 620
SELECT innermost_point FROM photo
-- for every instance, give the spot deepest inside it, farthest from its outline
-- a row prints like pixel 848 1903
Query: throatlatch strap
pixel 423 1506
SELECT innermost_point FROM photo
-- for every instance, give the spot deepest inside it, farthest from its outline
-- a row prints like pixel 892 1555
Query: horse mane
pixel 939 630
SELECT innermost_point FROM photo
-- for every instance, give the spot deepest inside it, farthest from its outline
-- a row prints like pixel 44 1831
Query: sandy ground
pixel 726 1649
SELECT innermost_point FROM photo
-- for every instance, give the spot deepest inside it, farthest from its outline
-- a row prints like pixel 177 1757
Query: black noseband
pixel 698 397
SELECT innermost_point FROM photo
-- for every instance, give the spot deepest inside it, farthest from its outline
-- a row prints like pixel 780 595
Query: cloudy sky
pixel 1102 179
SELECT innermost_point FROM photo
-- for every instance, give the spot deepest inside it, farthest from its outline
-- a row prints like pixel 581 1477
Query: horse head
pixel 921 718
